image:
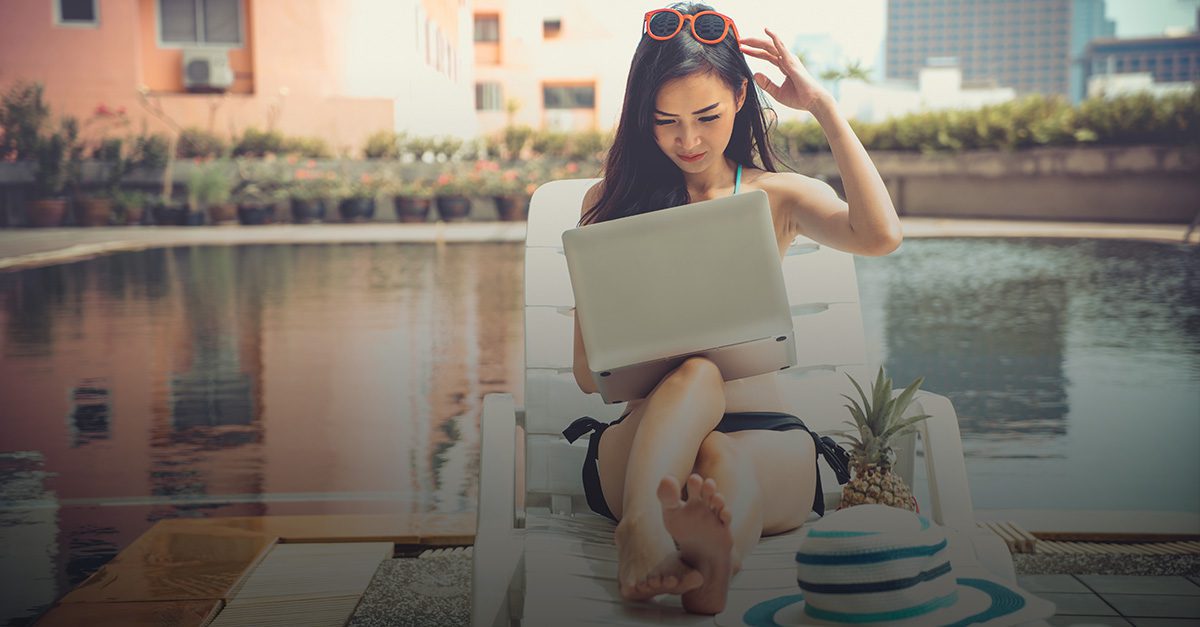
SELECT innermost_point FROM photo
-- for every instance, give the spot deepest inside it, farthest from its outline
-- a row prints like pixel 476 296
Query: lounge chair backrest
pixel 823 292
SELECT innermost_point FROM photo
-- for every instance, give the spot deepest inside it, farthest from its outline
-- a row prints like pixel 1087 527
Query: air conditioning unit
pixel 206 69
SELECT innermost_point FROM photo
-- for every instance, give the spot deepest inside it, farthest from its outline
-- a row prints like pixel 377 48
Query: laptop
pixel 702 279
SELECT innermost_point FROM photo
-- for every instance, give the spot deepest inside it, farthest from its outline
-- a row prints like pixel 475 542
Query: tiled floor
pixel 1119 600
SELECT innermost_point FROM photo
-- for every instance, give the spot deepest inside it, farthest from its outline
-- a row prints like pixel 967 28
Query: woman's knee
pixel 717 451
pixel 697 373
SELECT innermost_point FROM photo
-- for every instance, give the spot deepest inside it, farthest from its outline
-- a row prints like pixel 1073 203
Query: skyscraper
pixel 1034 46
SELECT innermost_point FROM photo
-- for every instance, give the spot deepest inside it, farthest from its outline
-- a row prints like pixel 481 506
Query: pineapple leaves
pixel 903 426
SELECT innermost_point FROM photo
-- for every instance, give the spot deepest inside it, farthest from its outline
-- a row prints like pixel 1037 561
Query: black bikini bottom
pixel 834 454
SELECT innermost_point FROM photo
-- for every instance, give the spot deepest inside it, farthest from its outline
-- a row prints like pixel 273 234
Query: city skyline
pixel 858 26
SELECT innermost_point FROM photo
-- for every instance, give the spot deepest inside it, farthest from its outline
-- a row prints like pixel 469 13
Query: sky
pixel 858 25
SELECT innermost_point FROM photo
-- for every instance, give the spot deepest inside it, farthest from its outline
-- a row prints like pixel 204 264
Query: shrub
pixel 310 147
pixel 197 143
pixel 256 143
pixel 23 112
pixel 383 145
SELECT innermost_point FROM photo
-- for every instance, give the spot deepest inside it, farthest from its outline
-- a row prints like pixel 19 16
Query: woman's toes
pixel 717 503
pixel 668 493
pixel 694 485
pixel 708 490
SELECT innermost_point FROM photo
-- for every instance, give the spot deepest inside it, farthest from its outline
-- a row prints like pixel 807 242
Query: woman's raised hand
pixel 799 90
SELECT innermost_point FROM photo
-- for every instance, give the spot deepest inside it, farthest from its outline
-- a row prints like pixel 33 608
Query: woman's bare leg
pixel 739 469
pixel 661 438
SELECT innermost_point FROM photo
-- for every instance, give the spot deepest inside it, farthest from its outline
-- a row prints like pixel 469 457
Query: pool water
pixel 257 380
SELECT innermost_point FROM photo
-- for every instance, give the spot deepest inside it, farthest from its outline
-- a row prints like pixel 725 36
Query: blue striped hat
pixel 879 565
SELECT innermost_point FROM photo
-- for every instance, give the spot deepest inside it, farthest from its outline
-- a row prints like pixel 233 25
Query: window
pixel 76 12
pixel 191 22
pixel 551 28
pixel 569 96
pixel 487 28
pixel 487 97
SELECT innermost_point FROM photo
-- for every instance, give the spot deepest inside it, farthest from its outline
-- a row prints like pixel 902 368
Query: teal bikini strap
pixel 737 183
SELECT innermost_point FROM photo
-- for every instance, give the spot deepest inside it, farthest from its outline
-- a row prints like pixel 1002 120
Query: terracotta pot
pixel 134 215
pixel 454 208
pixel 224 213
pixel 512 208
pixel 358 209
pixel 46 212
pixel 410 209
pixel 93 211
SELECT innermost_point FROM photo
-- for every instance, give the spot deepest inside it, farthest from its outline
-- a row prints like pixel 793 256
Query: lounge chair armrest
pixel 498 545
pixel 944 463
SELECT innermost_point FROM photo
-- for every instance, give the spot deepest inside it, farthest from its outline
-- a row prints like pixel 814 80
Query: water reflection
pixel 243 381
pixel 1073 364
pixel 256 380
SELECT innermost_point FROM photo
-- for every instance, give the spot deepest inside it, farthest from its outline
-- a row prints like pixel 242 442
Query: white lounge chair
pixel 542 557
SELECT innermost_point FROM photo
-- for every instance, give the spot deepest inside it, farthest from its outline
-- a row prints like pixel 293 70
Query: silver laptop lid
pixel 677 281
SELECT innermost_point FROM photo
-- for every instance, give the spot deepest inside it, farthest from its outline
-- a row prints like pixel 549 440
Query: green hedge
pixel 1025 123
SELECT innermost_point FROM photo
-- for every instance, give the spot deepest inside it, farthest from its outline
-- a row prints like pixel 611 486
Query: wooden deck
pixel 185 571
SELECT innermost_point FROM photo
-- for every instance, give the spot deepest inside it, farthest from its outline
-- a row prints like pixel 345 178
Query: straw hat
pixel 878 565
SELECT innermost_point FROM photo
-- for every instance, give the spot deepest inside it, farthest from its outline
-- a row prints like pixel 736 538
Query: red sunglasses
pixel 708 27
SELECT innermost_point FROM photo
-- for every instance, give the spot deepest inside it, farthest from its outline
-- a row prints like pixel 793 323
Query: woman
pixel 690 129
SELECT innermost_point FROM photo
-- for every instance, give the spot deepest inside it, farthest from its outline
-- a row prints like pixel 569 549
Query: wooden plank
pixel 142 613
pixel 397 528
pixel 175 561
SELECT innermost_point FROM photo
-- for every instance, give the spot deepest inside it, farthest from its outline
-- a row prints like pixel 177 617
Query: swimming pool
pixel 259 380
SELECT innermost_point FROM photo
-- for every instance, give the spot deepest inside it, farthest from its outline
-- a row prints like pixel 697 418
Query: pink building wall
pixel 287 73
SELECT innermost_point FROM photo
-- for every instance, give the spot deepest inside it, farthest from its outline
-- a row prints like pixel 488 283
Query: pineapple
pixel 876 422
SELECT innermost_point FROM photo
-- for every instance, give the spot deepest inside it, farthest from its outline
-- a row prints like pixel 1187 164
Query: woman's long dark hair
pixel 638 177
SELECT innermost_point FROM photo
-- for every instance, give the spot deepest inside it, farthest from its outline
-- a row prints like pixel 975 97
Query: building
pixel 325 68
pixel 1029 45
pixel 536 64
pixel 939 85
pixel 1121 65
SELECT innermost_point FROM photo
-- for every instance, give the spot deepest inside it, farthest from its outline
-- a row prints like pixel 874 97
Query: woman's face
pixel 693 117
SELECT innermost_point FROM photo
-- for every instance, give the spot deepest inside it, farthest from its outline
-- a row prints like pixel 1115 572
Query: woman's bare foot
pixel 648 564
pixel 700 526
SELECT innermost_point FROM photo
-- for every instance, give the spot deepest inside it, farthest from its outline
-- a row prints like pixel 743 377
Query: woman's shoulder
pixel 592 196
pixel 777 181
pixel 787 190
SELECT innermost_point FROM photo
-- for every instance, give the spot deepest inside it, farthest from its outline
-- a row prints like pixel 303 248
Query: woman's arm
pixel 866 224
pixel 583 375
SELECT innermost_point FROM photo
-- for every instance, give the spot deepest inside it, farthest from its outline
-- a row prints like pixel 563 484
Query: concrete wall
pixel 1144 184
pixel 1154 184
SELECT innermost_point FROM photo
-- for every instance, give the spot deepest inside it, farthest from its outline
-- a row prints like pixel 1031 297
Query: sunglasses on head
pixel 708 27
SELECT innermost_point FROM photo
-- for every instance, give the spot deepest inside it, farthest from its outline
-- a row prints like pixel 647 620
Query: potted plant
pixel 411 198
pixel 357 197
pixel 510 188
pixel 311 193
pixel 55 162
pixel 261 190
pixel 256 203
pixel 120 158
pixel 451 190
pixel 878 421
pixel 129 206
pixel 209 189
